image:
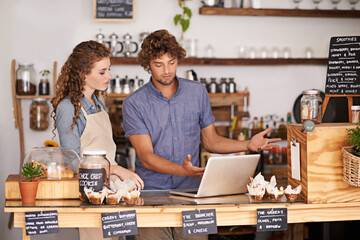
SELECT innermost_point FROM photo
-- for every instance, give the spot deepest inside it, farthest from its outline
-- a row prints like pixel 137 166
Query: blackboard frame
pixel 114 19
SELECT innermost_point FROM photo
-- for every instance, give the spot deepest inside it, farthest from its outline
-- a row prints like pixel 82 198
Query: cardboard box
pixel 321 163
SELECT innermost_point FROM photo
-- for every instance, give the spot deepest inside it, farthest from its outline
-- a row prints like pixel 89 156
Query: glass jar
pixel 25 80
pixel 311 106
pixel 39 111
pixel 355 114
pixel 94 172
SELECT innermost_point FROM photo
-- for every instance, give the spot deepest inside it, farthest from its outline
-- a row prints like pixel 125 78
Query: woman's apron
pixel 97 135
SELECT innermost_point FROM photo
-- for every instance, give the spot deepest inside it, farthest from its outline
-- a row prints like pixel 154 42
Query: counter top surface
pixel 153 198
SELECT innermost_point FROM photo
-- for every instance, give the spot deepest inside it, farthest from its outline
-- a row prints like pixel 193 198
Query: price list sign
pixel 42 222
pixel 199 222
pixel 119 224
pixel 343 68
pixel 271 219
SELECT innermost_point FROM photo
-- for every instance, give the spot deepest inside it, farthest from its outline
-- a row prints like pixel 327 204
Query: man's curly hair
pixel 156 45
pixel 71 80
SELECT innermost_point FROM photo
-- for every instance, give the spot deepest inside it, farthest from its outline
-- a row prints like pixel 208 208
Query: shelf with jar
pixel 24 88
pixel 232 61
pixel 279 12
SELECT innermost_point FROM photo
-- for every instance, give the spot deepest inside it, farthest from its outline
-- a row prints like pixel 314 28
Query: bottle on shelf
pixel 117 88
pixel 284 155
pixel 271 156
pixel 282 130
pixel 288 117
pixel 231 86
pixel 223 85
pixel 213 86
pixel 277 156
pixel 261 123
pixel 203 81
pixel 244 114
pixel 255 127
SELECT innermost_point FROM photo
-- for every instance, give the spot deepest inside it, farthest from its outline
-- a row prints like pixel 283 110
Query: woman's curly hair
pixel 157 44
pixel 71 80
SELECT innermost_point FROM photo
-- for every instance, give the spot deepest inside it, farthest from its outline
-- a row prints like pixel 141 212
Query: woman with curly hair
pixel 79 115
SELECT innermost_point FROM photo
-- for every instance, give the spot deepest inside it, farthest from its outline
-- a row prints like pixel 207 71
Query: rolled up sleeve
pixel 133 122
pixel 64 119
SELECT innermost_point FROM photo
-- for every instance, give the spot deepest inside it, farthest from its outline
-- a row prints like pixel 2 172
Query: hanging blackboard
pixel 114 10
pixel 343 73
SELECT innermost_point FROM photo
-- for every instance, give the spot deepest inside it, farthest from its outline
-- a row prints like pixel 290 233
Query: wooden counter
pixel 165 211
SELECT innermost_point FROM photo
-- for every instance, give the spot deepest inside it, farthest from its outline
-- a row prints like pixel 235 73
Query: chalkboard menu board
pixel 271 219
pixel 114 10
pixel 343 68
pixel 119 224
pixel 41 222
pixel 199 222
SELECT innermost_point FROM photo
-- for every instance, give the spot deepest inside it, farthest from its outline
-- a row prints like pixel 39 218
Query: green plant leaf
pixel 29 171
pixel 187 11
pixel 184 24
pixel 177 19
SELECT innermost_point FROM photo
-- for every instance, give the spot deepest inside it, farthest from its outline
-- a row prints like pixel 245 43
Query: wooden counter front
pixel 321 163
pixel 171 216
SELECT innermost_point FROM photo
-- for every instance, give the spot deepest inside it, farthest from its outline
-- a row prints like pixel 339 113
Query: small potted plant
pixel 44 86
pixel 29 186
pixel 354 139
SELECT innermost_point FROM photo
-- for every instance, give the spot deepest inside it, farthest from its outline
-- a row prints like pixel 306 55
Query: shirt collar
pixel 87 105
pixel 159 93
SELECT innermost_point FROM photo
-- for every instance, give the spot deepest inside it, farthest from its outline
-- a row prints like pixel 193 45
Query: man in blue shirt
pixel 165 120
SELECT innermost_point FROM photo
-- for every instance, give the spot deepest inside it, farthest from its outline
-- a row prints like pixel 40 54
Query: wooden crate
pixel 48 189
pixel 321 167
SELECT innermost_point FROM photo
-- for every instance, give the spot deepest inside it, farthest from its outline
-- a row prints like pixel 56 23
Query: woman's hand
pixel 124 173
pixel 258 142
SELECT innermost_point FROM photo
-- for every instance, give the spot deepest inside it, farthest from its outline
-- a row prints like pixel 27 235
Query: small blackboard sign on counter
pixel 271 219
pixel 119 224
pixel 114 10
pixel 343 72
pixel 41 222
pixel 199 222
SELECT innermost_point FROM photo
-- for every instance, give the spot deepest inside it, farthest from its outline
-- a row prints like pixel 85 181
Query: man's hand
pixel 191 170
pixel 258 142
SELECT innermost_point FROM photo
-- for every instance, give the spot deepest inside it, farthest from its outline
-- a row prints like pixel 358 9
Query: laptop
pixel 224 175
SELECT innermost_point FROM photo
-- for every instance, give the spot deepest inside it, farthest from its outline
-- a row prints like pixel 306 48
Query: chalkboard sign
pixel 114 10
pixel 91 178
pixel 343 73
pixel 119 224
pixel 199 222
pixel 42 222
pixel 271 219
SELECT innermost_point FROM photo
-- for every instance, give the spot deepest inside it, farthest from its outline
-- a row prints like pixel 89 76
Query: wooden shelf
pixel 279 12
pixel 233 61
pixel 33 96
pixel 17 105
